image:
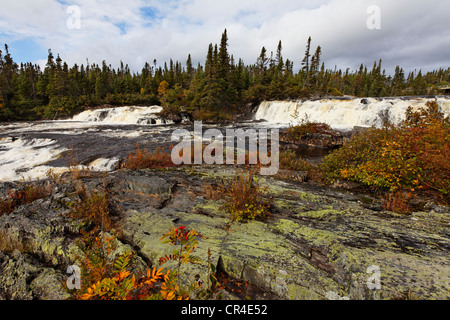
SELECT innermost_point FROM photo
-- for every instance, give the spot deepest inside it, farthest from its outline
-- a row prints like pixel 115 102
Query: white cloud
pixel 413 33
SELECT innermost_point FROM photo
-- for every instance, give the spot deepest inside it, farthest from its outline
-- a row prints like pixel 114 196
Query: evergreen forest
pixel 223 86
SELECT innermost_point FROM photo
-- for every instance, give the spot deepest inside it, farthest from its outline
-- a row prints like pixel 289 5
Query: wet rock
pixel 186 117
pixel 326 138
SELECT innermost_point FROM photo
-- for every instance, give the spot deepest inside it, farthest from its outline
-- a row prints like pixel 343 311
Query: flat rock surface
pixel 319 243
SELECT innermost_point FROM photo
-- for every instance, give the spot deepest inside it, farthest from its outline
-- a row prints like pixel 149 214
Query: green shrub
pixel 289 160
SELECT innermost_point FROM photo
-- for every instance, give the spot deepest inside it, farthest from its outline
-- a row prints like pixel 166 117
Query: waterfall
pixel 344 113
pixel 25 159
pixel 121 115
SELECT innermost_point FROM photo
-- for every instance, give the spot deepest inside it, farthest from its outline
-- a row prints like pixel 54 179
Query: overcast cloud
pixel 414 33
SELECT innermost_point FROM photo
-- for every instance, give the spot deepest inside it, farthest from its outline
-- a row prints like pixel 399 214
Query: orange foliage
pixel 16 198
pixel 411 158
pixel 143 159
pixel 244 199
pixel 103 279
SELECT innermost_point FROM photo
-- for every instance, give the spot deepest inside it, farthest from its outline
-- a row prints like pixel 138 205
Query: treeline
pixel 222 86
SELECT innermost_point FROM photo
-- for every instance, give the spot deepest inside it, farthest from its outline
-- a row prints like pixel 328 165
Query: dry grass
pixel 212 191
pixel 28 194
pixel 92 209
pixel 143 159
pixel 11 242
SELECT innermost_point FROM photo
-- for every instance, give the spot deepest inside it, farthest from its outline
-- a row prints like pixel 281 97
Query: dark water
pixel 63 143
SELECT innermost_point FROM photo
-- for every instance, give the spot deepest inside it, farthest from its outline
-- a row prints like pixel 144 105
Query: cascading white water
pixel 343 114
pixel 121 115
pixel 25 159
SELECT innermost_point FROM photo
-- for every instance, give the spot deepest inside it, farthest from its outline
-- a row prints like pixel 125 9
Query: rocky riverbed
pixel 319 243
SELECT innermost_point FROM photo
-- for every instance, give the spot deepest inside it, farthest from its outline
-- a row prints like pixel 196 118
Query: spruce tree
pixel 223 58
pixel 305 63
pixel 279 58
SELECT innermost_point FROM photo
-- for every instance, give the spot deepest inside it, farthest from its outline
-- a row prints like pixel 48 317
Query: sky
pixel 413 34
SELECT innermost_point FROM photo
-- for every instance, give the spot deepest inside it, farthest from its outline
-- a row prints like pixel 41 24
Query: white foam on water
pixel 121 115
pixel 22 158
pixel 104 164
pixel 343 114
pixel 86 120
pixel 26 159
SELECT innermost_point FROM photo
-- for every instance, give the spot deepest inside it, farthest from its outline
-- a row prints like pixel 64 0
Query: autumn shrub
pixel 123 285
pixel 411 157
pixel 396 202
pixel 298 132
pixel 184 241
pixel 105 278
pixel 244 199
pixel 95 258
pixel 289 160
pixel 143 159
pixel 28 194
pixel 92 209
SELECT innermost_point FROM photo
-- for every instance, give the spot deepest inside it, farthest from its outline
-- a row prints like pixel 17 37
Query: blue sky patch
pixel 122 26
pixel 149 12
pixel 26 50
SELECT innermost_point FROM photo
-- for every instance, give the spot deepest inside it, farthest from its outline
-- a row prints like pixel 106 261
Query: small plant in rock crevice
pixel 27 194
pixel 244 199
pixel 92 209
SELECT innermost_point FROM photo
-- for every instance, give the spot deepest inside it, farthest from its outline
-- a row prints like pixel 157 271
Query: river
pixel 101 138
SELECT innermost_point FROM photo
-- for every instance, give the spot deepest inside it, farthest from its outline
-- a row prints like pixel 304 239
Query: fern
pixel 122 262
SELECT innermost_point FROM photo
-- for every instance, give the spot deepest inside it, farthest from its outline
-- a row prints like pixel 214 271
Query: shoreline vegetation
pixel 222 87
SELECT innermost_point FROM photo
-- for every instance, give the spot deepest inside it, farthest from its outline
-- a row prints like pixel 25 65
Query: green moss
pixel 212 207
